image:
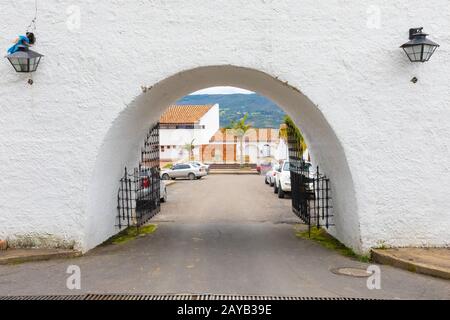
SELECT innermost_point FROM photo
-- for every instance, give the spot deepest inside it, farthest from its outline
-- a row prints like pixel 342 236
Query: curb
pixel 382 257
pixel 235 172
pixel 13 256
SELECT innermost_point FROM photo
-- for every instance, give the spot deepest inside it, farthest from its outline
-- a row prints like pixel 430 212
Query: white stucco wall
pixel 211 121
pixel 64 140
pixel 180 137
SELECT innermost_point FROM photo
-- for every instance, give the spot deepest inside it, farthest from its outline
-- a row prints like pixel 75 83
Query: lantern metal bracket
pixel 413 32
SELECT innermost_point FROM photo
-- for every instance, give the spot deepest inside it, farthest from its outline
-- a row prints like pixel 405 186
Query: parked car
pixel 184 171
pixel 282 180
pixel 144 190
pixel 263 167
pixel 271 174
pixel 201 165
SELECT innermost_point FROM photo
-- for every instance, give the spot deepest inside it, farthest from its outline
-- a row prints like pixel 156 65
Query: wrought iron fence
pixel 139 196
pixel 311 191
pixel 321 213
pixel 150 152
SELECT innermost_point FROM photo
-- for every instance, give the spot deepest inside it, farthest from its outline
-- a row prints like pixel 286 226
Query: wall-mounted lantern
pixel 25 60
pixel 419 48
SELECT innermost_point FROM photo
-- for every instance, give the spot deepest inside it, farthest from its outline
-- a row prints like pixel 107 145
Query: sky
pixel 222 90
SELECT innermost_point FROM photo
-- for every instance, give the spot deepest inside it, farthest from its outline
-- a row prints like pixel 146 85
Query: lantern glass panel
pixel 417 52
pixel 37 63
pixel 32 64
pixel 16 62
pixel 410 52
pixel 428 51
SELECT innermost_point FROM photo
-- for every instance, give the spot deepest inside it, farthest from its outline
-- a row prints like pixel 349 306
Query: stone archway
pixel 124 138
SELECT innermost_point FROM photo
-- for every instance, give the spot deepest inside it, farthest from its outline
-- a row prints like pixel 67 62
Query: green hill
pixel 263 113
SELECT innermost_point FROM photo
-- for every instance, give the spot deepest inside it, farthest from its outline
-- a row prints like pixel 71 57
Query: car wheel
pixel 281 193
pixel 266 181
pixel 166 177
pixel 164 197
pixel 191 176
pixel 275 188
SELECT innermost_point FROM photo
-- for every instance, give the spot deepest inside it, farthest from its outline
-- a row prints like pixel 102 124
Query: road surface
pixel 223 235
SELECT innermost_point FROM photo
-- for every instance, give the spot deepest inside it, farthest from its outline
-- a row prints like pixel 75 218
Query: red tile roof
pixel 184 114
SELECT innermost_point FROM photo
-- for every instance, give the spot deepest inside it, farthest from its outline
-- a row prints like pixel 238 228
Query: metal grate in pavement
pixel 44 298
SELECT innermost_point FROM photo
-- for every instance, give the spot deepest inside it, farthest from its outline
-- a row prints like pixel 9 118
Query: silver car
pixel 201 165
pixel 184 171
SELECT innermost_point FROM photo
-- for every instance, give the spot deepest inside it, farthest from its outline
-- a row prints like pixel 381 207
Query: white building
pixel 183 125
pixel 334 66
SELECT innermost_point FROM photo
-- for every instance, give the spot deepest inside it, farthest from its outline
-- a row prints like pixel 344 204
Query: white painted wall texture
pixel 64 140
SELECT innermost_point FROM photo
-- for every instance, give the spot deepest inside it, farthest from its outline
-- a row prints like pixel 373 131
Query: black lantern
pixel 419 48
pixel 25 60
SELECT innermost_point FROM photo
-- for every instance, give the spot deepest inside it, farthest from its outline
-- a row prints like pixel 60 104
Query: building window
pixel 266 150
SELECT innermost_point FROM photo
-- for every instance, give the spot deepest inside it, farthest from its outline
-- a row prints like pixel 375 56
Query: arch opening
pixel 124 138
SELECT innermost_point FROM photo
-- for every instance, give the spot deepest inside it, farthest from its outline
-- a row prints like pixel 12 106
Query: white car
pixel 271 175
pixel 201 165
pixel 184 171
pixel 283 180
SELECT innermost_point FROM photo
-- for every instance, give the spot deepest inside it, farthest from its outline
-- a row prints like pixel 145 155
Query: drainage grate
pixel 175 297
pixel 45 298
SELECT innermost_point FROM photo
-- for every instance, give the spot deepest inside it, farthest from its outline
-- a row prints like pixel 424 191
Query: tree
pixel 190 147
pixel 239 129
pixel 290 125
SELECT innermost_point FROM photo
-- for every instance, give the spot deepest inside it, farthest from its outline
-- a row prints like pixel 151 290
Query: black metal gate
pixel 139 196
pixel 311 191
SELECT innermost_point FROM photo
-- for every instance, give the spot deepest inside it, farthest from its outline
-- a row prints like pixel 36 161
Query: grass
pixel 131 233
pixel 326 240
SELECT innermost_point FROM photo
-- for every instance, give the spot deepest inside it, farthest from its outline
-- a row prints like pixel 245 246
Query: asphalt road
pixel 221 235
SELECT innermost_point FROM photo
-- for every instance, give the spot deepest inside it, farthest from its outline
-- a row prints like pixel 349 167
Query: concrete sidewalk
pixel 430 261
pixel 14 256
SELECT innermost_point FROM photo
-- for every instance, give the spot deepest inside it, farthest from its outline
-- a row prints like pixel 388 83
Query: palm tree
pixel 189 147
pixel 239 129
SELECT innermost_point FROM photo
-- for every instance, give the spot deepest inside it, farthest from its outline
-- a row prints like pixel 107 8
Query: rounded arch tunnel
pixel 123 141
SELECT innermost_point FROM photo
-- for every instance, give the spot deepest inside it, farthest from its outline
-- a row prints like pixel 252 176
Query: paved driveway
pixel 223 234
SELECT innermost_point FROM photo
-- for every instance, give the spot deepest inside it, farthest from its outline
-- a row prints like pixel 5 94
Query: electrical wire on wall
pixel 32 28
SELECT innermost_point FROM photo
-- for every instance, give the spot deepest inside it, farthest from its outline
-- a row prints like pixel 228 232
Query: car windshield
pixel 286 166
